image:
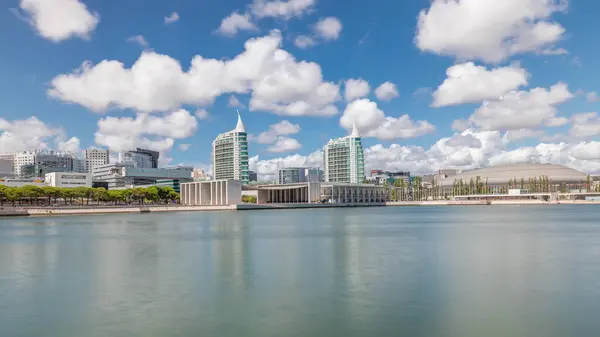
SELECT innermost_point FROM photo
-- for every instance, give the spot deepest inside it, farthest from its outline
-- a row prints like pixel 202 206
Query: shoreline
pixel 57 211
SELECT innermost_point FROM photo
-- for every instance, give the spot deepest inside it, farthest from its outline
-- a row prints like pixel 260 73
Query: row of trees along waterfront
pixel 48 195
pixel 400 190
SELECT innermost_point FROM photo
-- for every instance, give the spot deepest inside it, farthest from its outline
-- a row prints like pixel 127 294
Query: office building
pixel 294 175
pixel 6 165
pixel 230 154
pixel 343 159
pixel 380 177
pixel 119 175
pixel 252 176
pixel 68 179
pixel 140 158
pixel 38 170
pixel 94 158
pixel 51 161
pixel 79 165
pixel 200 175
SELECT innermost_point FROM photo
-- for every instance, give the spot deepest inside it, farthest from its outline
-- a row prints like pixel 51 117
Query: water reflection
pixel 351 272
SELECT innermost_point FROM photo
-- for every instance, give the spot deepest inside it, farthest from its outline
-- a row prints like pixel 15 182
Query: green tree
pixel 138 193
pixel 31 193
pixel 2 194
pixel 151 194
pixel 127 195
pixel 588 183
pixel 117 196
pixel 249 199
pixel 82 193
pixel 50 192
pixel 13 194
pixel 100 194
pixel 164 192
pixel 173 196
pixel 67 194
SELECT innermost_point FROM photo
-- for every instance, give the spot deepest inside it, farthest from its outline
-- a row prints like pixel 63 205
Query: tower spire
pixel 240 125
pixel 355 133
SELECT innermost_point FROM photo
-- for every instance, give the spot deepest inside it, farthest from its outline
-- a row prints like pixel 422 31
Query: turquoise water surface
pixel 393 271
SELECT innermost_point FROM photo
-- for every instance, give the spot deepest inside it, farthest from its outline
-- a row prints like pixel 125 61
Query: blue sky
pixel 496 55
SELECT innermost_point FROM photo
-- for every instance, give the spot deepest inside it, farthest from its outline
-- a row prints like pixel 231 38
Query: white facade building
pixel 230 154
pixel 212 193
pixel 69 179
pixel 95 158
pixel 343 159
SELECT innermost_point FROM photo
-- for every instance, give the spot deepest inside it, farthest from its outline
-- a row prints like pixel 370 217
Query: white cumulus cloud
pixel 139 40
pixel 469 83
pixel 522 109
pixel 489 30
pixel 585 125
pixel 283 128
pixel 267 169
pixel 281 9
pixel 372 122
pixel 277 82
pixel 386 91
pixel 356 88
pixel 592 97
pixel 148 131
pixel 284 144
pixel 328 28
pixel 173 17
pixel 304 41
pixel 58 20
pixel 236 22
pixel 32 134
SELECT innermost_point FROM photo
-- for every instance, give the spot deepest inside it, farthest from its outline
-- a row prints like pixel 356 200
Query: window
pixel 74 177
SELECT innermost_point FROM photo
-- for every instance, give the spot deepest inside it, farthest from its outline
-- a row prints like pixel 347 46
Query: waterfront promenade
pixel 95 210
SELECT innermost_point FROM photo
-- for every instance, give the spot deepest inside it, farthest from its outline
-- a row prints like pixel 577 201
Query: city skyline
pixel 424 101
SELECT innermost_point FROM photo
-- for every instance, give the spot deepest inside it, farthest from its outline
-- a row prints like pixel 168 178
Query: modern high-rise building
pixel 294 175
pixel 343 159
pixel 140 158
pixel 47 161
pixel 230 154
pixel 95 158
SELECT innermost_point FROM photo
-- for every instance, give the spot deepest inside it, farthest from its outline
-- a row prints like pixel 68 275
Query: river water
pixel 413 271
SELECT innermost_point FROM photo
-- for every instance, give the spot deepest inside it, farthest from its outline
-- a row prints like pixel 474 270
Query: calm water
pixel 445 271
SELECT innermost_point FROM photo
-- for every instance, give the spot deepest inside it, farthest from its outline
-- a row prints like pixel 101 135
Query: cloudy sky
pixel 430 83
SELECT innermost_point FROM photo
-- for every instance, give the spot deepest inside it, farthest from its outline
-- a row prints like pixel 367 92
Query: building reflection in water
pixel 371 271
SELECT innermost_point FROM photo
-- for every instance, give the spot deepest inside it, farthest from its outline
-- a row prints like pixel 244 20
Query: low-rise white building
pixel 212 193
pixel 69 179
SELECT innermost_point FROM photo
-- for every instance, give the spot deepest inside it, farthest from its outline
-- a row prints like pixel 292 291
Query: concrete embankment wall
pixel 109 210
pixel 247 207
pixel 439 203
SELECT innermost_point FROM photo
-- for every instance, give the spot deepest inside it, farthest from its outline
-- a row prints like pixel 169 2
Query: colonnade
pixel 211 193
pixel 354 194
pixel 288 195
